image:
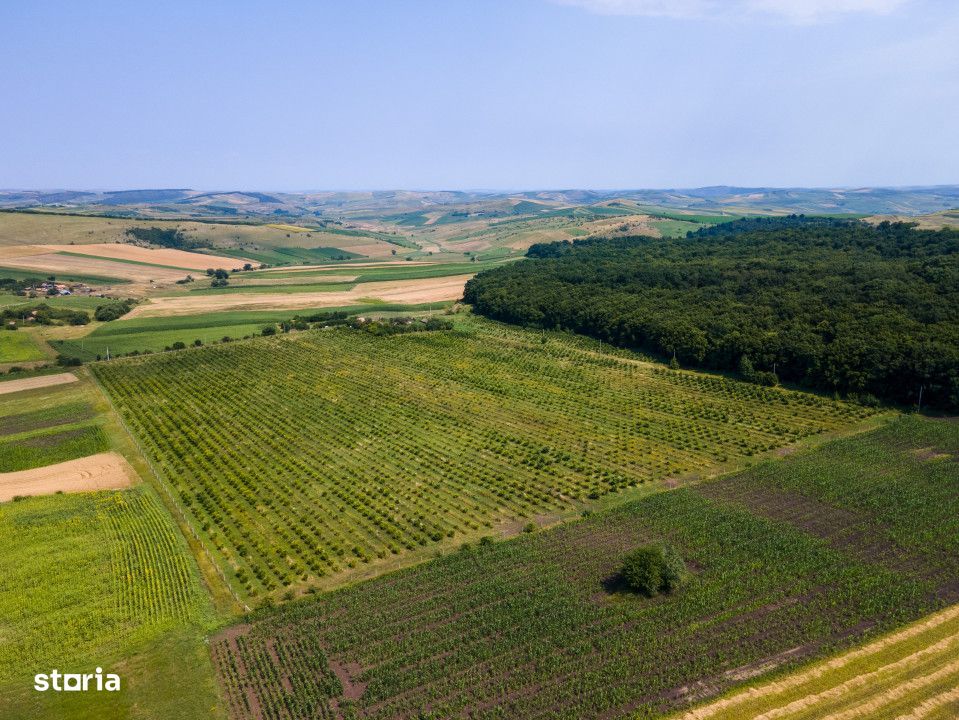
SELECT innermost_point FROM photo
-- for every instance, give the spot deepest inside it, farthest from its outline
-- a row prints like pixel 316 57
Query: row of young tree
pixel 839 305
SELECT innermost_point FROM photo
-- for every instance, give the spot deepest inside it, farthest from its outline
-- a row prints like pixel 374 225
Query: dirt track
pixel 104 471
pixel 32 383
pixel 396 291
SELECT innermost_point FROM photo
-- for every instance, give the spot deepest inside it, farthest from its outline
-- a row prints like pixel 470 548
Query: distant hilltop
pixel 182 202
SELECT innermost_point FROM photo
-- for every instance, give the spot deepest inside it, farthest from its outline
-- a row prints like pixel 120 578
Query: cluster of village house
pixel 62 288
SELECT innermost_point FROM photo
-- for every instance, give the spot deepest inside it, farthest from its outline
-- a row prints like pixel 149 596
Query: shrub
pixel 653 569
pixel 112 311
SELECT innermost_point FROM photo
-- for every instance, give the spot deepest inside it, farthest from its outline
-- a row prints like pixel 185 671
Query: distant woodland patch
pixel 166 237
pixel 838 305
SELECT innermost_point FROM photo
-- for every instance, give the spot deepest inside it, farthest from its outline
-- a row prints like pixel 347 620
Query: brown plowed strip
pixel 57 264
pixel 104 471
pixel 394 291
pixel 32 383
pixel 843 529
pixel 154 256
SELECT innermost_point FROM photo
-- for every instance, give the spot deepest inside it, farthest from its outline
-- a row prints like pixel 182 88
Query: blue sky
pixel 483 94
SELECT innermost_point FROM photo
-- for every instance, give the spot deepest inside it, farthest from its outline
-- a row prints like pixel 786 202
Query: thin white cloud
pixel 794 11
pixel 811 11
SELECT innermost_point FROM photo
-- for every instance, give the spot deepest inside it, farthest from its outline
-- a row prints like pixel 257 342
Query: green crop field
pixel 52 434
pixel 46 447
pixel 287 255
pixel 18 274
pixel 128 261
pixel 153 334
pixel 241 287
pixel 675 228
pixel 307 455
pixel 381 273
pixel 46 417
pixel 101 579
pixel 541 627
pixel 18 346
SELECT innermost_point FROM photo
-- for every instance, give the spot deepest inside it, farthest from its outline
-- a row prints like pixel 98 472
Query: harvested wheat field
pixel 910 674
pixel 375 249
pixel 32 383
pixel 395 291
pixel 104 471
pixel 153 256
pixel 60 264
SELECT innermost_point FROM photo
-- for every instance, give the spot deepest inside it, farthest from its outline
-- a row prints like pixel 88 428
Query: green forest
pixel 871 311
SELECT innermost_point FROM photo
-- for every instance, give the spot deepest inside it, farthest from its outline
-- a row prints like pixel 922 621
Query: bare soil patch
pixel 32 383
pixel 930 454
pixel 57 264
pixel 393 291
pixel 346 674
pixel 155 256
pixel 104 471
pixel 373 249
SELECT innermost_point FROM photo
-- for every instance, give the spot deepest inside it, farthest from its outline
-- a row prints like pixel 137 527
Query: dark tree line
pixel 166 237
pixel 833 304
pixel 42 314
pixel 113 310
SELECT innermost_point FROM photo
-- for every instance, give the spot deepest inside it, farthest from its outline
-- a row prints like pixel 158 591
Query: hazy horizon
pixel 477 190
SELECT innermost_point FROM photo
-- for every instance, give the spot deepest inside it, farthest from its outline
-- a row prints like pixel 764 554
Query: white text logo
pixel 76 682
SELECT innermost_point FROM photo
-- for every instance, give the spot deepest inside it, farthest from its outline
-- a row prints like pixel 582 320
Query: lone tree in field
pixel 653 569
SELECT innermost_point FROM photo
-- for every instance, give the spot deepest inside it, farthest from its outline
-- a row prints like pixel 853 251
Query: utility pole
pixel 919 404
pixel 108 352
